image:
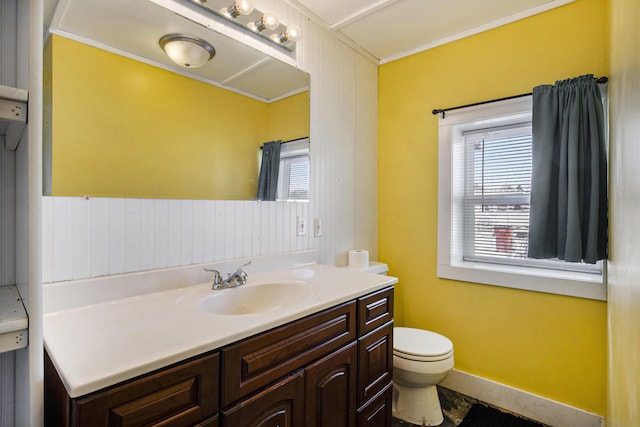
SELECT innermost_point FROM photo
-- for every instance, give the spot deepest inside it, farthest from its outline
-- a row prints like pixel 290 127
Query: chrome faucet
pixel 237 278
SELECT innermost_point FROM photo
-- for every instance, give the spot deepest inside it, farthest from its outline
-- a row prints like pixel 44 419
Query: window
pixel 293 175
pixel 483 207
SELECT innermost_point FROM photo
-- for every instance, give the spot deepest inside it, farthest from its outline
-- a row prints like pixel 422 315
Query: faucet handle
pixel 240 274
pixel 243 276
pixel 217 278
pixel 243 265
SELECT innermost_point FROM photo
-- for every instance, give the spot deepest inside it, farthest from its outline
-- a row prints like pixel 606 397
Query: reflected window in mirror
pixel 293 175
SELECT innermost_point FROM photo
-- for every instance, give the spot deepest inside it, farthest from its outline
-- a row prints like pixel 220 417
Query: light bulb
pixel 244 7
pixel 268 21
pixel 239 7
pixel 292 33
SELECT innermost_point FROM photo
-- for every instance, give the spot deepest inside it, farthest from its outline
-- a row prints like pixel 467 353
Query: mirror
pixel 124 122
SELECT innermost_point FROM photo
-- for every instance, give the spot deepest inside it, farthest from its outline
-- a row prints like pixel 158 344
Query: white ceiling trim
pixel 380 4
pixel 497 23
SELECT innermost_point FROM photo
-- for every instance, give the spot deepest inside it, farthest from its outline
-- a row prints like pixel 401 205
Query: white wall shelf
pixel 14 323
pixel 13 115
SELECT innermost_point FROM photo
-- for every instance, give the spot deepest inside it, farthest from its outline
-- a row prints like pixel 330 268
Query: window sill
pixel 580 285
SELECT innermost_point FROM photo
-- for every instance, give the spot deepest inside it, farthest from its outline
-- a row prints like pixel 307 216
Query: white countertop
pixel 102 344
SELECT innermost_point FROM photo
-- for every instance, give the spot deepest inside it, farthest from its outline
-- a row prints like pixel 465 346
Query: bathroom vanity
pixel 322 359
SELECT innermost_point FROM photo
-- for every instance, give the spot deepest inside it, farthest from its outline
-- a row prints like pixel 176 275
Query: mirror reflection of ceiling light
pixel 187 51
pixel 239 7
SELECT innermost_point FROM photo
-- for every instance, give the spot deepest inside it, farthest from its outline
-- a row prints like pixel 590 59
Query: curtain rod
pixel 599 80
pixel 291 140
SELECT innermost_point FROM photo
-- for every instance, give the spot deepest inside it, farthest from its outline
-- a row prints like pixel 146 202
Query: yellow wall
pixel 624 270
pixel 124 128
pixel 550 345
pixel 289 118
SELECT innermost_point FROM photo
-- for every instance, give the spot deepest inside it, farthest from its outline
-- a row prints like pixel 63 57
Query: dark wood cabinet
pixel 375 362
pixel 257 361
pixel 330 382
pixel 177 396
pixel 211 422
pixel 329 369
pixel 377 413
pixel 374 310
pixel 279 405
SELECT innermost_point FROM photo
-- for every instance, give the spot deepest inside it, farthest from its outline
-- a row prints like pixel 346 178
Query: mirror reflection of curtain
pixel 269 167
pixel 568 214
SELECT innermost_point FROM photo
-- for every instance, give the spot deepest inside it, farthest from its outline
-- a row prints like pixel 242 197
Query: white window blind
pixel 497 192
pixel 293 175
pixel 497 189
pixel 293 178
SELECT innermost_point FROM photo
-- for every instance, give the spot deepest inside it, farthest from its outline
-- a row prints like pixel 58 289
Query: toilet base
pixel 417 405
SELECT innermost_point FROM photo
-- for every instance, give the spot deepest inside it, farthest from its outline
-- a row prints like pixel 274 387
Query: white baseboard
pixel 527 404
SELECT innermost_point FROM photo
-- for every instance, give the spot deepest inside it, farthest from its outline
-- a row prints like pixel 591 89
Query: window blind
pixel 293 178
pixel 496 196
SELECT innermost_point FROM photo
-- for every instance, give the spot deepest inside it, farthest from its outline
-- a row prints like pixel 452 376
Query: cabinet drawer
pixel 182 395
pixel 375 310
pixel 255 362
pixel 375 362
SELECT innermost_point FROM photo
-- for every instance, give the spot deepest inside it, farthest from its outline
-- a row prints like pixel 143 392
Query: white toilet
pixel 421 359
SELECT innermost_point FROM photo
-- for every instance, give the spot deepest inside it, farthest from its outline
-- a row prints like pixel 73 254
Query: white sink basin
pixel 255 299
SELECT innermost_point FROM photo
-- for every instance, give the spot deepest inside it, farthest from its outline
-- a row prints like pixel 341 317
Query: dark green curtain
pixel 568 215
pixel 269 168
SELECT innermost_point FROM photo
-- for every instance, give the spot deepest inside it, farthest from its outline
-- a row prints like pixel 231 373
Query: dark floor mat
pixel 483 416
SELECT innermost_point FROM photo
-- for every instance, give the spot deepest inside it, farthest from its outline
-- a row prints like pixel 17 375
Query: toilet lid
pixel 420 343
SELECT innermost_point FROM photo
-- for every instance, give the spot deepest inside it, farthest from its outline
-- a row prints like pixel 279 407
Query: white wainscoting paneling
pixel 93 237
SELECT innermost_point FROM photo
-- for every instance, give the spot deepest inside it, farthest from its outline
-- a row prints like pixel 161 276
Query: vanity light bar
pixel 266 25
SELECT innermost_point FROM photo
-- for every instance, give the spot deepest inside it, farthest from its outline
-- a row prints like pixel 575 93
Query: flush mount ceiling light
pixel 268 21
pixel 239 7
pixel 187 51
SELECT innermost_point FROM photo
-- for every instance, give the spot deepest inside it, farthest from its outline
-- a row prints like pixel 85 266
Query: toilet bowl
pixel 421 359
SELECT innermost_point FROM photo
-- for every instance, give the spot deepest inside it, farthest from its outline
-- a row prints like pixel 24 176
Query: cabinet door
pixel 375 361
pixel 377 413
pixel 330 387
pixel 280 405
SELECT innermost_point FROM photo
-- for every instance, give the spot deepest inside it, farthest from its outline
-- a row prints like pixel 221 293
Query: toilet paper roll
pixel 358 259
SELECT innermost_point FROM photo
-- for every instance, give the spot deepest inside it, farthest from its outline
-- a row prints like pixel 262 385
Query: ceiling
pixel 384 30
pixel 391 29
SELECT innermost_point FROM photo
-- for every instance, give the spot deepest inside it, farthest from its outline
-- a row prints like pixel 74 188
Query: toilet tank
pixel 377 268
